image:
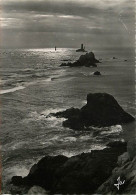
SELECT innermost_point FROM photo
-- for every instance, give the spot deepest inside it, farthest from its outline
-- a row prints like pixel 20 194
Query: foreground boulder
pixel 83 173
pixel 101 110
pixel 126 170
pixel 85 60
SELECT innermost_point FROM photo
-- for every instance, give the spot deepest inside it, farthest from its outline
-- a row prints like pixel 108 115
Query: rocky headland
pixel 83 173
pixel 86 173
pixel 101 110
pixel 85 60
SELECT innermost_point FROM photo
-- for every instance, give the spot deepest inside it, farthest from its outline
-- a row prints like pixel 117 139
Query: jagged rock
pixel 85 60
pixel 101 110
pixel 66 114
pixel 126 170
pixel 83 173
pixel 117 144
pixel 17 180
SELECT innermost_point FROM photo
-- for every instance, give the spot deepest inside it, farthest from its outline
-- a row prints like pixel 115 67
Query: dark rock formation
pixel 66 60
pixel 85 60
pixel 83 173
pixel 97 73
pixel 101 110
pixel 125 169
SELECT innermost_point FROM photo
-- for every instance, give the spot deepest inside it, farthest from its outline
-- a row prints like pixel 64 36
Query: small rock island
pixel 82 49
pixel 101 110
pixel 97 73
pixel 85 60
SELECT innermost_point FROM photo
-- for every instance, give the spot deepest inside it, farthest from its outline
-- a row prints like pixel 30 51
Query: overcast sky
pixel 67 23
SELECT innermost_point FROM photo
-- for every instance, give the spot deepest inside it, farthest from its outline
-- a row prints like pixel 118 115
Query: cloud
pixel 103 18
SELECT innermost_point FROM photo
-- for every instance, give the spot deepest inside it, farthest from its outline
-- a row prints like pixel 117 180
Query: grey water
pixel 33 85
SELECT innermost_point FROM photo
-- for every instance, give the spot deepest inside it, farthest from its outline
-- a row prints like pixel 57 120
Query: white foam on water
pixel 98 147
pixel 56 121
pixel 14 146
pixel 85 137
pixel 53 121
pixel 68 153
pixel 18 170
pixel 119 139
pixel 11 90
pixel 84 102
pixel 36 190
pixel 55 137
pixel 46 143
pixel 69 139
pixel 79 151
pixel 112 130
pixel 18 87
pixel 47 80
pixel 51 110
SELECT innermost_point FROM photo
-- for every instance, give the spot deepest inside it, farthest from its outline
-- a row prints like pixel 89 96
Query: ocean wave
pixel 84 102
pixel 52 110
pixel 85 137
pixel 42 116
pixel 13 146
pixel 68 139
pixel 74 152
pixel 112 130
pixel 48 79
pixel 15 170
pixel 11 90
pixel 47 143
pixel 18 86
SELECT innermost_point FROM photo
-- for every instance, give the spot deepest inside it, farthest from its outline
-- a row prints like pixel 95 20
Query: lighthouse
pixel 82 49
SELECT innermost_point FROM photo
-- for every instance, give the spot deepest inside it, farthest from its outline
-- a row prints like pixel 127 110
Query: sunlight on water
pixel 35 85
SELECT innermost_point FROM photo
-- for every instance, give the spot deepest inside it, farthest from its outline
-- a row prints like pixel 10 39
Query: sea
pixel 33 85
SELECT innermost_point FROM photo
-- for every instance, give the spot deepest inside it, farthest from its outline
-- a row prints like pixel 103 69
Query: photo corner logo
pixel 119 183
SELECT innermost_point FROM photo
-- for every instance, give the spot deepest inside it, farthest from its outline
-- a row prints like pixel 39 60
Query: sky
pixel 67 23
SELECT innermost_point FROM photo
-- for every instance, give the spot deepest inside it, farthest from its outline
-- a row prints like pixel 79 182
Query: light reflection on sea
pixel 33 85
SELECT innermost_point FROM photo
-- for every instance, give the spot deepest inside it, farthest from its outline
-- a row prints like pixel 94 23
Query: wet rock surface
pixel 83 173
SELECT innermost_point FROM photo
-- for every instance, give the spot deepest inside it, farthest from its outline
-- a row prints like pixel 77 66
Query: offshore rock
pixel 85 60
pixel 82 49
pixel 101 110
pixel 97 73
